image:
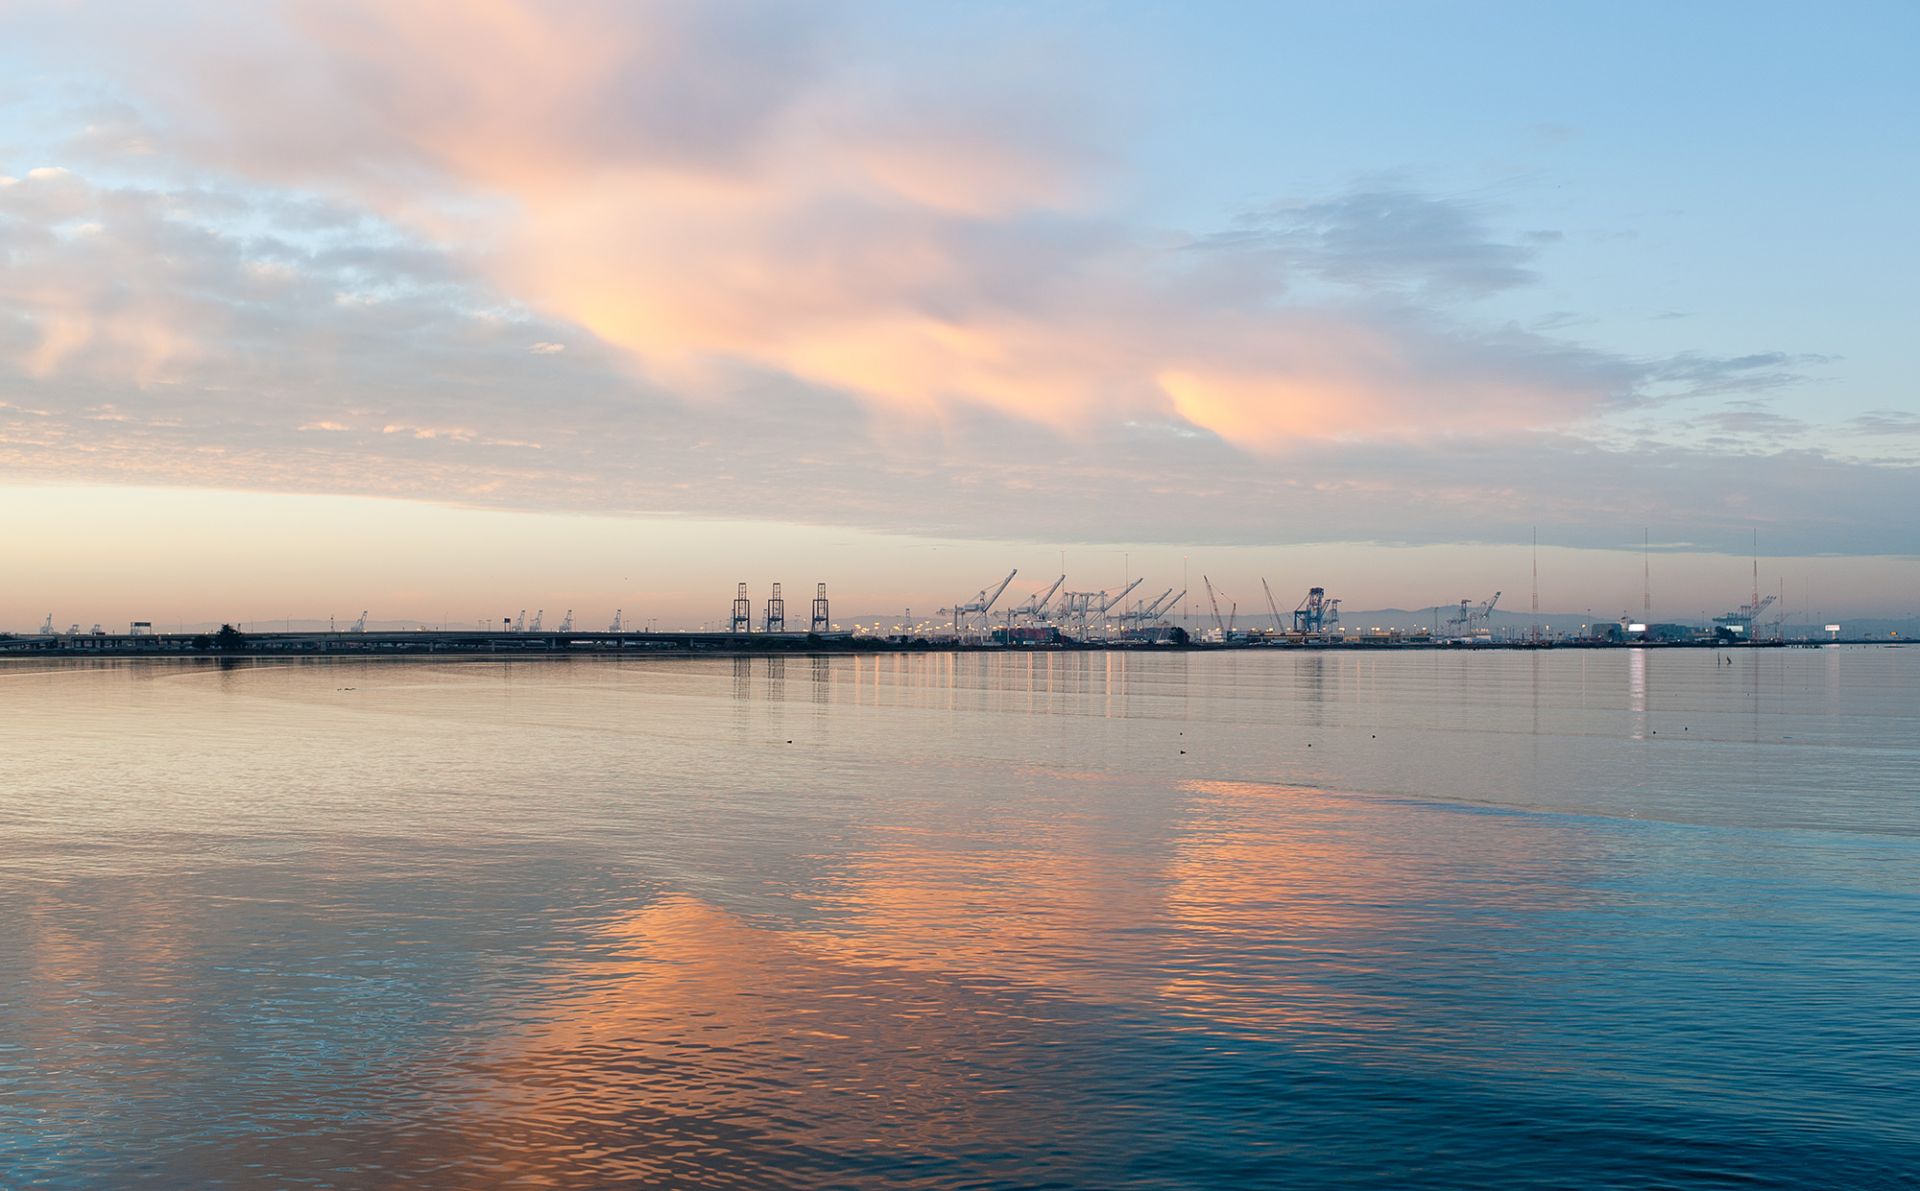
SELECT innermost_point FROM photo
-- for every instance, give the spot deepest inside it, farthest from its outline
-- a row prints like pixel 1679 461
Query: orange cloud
pixel 717 184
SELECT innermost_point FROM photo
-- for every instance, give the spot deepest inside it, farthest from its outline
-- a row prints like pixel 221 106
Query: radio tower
pixel 1535 630
pixel 1646 575
pixel 742 611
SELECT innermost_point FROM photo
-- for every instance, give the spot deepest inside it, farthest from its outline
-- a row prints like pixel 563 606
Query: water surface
pixel 1159 920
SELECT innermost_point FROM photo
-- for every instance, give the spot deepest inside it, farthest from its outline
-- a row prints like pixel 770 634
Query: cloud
pixel 46 195
pixel 1694 375
pixel 699 258
pixel 427 391
pixel 1887 422
pixel 1388 239
pixel 707 186
pixel 1750 420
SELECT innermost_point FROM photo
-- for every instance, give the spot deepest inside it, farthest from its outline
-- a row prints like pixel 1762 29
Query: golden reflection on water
pixel 845 954
pixel 876 1027
pixel 689 1032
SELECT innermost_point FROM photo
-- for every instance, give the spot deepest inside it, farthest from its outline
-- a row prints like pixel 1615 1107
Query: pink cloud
pixel 705 185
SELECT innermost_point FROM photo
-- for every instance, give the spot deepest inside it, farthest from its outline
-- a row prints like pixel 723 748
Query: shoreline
pixel 683 646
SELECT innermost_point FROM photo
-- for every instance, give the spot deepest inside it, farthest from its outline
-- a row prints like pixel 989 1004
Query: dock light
pixel 1636 628
pixel 1833 631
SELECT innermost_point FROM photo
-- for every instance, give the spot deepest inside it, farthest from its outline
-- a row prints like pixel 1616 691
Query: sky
pixel 444 309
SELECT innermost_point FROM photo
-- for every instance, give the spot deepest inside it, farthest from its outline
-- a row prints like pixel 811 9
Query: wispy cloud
pixel 1694 375
pixel 695 256
pixel 906 236
pixel 1884 422
pixel 1392 239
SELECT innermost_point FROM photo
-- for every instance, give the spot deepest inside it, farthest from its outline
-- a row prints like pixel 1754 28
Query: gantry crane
pixel 981 605
pixel 741 620
pixel 1035 609
pixel 1316 613
pixel 820 622
pixel 1741 620
pixel 1472 617
pixel 1148 612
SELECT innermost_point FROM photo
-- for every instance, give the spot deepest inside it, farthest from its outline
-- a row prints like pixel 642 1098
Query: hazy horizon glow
pixel 1371 293
pixel 201 556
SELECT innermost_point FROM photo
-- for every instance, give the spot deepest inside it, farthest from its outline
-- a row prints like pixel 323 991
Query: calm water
pixel 1180 921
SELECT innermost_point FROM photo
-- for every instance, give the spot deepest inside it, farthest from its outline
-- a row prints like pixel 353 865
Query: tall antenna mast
pixel 1756 574
pixel 1646 575
pixel 1535 630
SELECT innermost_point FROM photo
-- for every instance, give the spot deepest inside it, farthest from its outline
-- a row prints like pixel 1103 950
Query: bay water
pixel 1185 919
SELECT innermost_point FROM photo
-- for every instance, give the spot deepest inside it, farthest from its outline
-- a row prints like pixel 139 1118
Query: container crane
pixel 981 605
pixel 1316 613
pixel 742 611
pixel 821 620
pixel 1472 617
pixel 1035 609
pixel 1148 612
pixel 1741 620
pixel 566 624
pixel 1082 610
pixel 776 615
pixel 615 626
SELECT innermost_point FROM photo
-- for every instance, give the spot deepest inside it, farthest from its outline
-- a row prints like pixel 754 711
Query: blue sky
pixel 1359 279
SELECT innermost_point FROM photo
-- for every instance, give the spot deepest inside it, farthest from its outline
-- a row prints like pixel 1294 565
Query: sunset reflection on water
pixel 946 922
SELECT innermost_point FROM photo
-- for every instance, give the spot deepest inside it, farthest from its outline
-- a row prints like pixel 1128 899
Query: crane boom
pixel 981 604
pixel 1213 599
pixel 1104 608
pixel 1036 608
pixel 1279 625
pixel 987 603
